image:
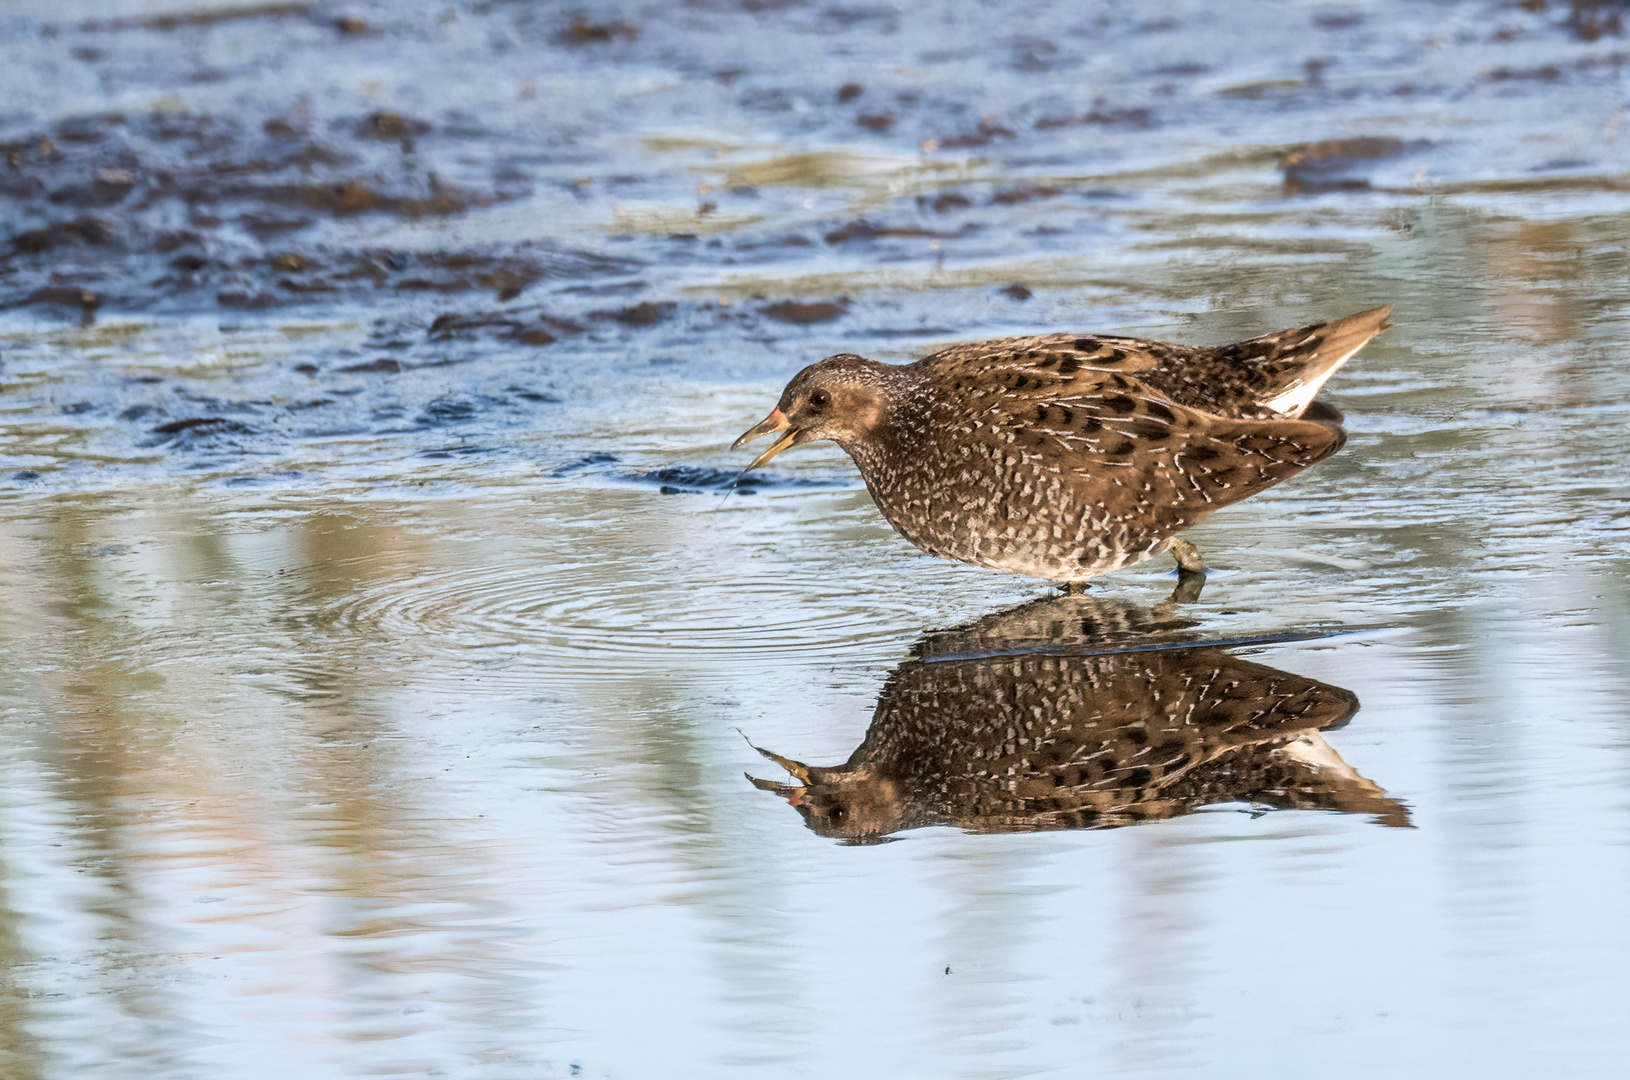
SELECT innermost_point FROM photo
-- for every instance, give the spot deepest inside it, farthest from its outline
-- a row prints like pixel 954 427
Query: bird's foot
pixel 1188 557
pixel 1191 572
pixel 1073 588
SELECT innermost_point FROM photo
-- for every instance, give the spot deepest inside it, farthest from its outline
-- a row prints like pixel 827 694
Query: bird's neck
pixel 899 423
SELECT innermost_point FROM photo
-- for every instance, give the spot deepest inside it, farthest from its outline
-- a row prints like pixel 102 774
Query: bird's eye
pixel 820 399
pixel 838 813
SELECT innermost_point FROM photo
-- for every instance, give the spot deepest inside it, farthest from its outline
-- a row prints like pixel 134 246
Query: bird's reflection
pixel 1075 712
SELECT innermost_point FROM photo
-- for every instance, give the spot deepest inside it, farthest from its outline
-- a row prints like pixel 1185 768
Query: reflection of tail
pixel 1301 773
pixel 1326 782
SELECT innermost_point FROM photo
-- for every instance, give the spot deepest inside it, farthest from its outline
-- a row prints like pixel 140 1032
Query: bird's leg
pixel 1188 557
pixel 1191 572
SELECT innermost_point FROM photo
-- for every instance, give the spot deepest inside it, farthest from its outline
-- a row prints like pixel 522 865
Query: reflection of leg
pixel 1188 588
pixel 1187 556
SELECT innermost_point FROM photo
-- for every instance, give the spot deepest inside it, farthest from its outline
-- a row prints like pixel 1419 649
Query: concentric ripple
pixel 573 618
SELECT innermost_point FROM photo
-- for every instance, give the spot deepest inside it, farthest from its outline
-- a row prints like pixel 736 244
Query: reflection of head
pixel 1031 720
pixel 848 806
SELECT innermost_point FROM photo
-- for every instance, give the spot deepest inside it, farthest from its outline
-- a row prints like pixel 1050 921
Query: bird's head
pixel 842 398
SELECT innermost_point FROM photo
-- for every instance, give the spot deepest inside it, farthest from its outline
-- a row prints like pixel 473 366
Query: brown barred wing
pixel 1267 377
pixel 1153 460
pixel 1051 359
pixel 1277 374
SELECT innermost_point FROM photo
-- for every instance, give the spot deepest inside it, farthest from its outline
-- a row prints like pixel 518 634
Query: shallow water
pixel 385 658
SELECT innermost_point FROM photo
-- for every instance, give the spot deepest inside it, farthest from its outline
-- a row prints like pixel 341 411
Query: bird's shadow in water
pixel 1079 712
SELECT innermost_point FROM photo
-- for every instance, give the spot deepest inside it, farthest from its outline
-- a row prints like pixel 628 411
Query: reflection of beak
pixel 793 795
pixel 776 421
pixel 796 768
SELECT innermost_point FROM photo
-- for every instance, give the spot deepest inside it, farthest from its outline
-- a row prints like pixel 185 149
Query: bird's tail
pixel 1303 359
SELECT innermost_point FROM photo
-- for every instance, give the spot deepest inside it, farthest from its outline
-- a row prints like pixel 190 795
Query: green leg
pixel 1187 556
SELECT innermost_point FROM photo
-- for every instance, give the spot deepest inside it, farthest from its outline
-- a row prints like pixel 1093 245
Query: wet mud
pixel 630 233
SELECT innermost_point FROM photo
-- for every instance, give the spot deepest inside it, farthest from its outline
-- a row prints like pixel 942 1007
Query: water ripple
pixel 573 617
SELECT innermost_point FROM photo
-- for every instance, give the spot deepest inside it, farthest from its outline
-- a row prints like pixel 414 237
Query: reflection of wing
pixel 1060 741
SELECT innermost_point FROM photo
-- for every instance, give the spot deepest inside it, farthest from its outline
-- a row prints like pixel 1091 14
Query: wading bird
pixel 1066 456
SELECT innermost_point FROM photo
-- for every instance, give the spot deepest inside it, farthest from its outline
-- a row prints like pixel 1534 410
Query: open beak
pixel 800 771
pixel 793 794
pixel 776 421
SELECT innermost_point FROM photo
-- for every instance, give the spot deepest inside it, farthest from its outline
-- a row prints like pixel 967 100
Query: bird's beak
pixel 776 421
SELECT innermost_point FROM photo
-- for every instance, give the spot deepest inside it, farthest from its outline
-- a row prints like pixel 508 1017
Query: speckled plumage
pixel 1002 727
pixel 1065 456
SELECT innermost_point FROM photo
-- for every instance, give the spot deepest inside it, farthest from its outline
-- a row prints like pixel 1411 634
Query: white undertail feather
pixel 1354 794
pixel 1294 402
pixel 1342 338
pixel 1311 750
